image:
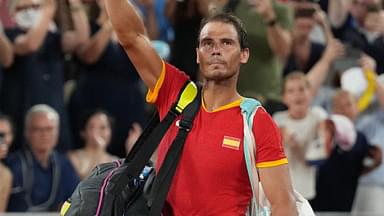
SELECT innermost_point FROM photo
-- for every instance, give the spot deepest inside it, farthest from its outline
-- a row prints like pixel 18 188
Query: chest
pixel 215 143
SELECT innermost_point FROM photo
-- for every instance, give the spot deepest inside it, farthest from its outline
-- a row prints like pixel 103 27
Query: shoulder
pixel 263 122
pixel 5 174
pixel 14 158
pixel 318 112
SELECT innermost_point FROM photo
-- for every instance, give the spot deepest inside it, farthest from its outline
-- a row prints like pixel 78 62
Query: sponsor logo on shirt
pixel 231 142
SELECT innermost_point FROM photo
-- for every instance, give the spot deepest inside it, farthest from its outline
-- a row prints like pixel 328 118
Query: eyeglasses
pixel 41 129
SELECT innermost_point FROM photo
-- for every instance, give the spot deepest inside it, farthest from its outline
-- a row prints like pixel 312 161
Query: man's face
pixel 219 54
pixel 42 132
pixel 361 8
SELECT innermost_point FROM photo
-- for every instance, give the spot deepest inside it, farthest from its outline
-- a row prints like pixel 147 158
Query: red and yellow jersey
pixel 211 178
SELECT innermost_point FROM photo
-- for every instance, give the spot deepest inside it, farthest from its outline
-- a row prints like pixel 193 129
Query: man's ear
pixel 197 56
pixel 244 55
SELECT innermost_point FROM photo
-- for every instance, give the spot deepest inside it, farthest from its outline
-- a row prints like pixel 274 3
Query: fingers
pixel 367 62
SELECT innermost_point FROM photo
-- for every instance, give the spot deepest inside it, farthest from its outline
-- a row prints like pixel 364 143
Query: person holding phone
pixel 6 138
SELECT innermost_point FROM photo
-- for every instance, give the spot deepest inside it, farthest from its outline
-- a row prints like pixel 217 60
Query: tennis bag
pixel 131 186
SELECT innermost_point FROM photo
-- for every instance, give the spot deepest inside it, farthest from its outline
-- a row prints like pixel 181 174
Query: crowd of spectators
pixel 70 98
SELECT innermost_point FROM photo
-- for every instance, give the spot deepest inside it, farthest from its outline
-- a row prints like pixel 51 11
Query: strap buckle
pixel 184 124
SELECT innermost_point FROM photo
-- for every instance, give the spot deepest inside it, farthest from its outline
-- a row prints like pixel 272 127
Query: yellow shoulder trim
pixel 153 94
pixel 235 103
pixel 272 163
pixel 64 208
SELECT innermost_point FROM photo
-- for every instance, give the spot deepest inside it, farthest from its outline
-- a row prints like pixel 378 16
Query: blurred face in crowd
pixel 98 131
pixel 26 12
pixel 304 18
pixel 361 8
pixel 219 54
pixel 297 95
pixel 6 137
pixel 42 131
pixel 344 103
pixel 6 131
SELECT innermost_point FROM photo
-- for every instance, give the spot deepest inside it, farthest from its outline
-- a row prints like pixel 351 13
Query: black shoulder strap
pixel 152 135
pixel 167 170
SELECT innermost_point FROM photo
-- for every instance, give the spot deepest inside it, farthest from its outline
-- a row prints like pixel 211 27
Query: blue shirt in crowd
pixel 36 188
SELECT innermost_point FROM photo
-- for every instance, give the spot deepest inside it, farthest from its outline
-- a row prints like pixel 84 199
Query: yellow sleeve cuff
pixel 272 163
pixel 152 94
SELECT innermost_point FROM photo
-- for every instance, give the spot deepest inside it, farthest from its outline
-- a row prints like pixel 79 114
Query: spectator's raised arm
pixel 73 39
pixel 33 39
pixel 338 12
pixel 131 33
pixel 279 39
pixel 6 50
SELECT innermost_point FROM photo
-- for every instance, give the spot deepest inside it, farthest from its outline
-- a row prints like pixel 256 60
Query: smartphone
pixel 350 59
pixel 304 12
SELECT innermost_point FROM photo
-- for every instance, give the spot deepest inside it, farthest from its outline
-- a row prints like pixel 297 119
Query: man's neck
pixel 42 157
pixel 217 95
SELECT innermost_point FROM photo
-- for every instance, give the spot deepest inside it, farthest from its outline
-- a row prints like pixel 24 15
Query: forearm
pixel 80 22
pixel 338 12
pixel 6 51
pixel 73 39
pixel 279 41
pixel 35 36
pixel 318 73
pixel 127 23
pixel 91 51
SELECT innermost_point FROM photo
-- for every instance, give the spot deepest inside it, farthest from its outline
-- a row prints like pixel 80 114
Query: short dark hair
pixel 229 19
pixel 296 75
pixel 90 113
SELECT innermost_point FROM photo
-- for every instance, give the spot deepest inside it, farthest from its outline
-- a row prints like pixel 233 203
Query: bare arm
pixel 6 50
pixel 278 189
pixel 73 39
pixel 131 33
pixel 319 71
pixel 91 51
pixel 338 12
pixel 5 187
pixel 279 39
pixel 33 39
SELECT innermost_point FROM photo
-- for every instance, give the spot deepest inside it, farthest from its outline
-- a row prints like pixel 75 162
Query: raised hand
pixel 263 8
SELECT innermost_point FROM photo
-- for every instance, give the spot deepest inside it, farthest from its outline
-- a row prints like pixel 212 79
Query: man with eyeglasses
pixel 42 178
